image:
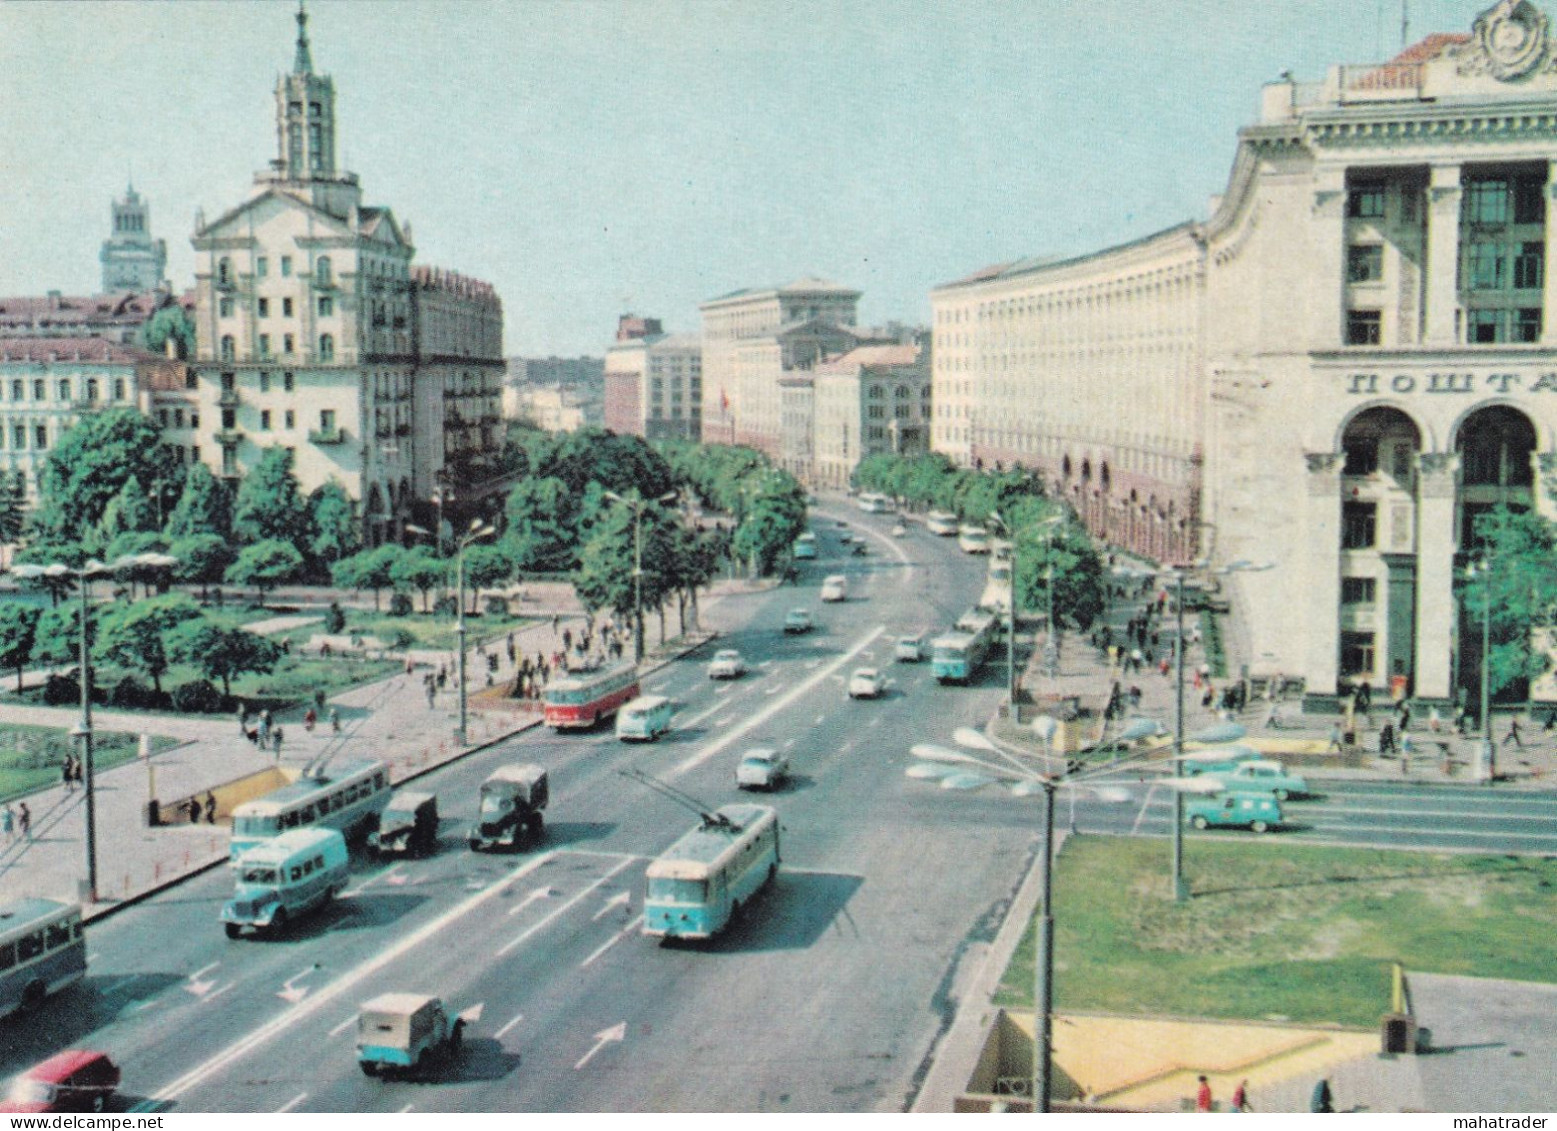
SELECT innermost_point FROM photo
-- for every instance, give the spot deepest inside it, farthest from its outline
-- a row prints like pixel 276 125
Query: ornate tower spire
pixel 302 63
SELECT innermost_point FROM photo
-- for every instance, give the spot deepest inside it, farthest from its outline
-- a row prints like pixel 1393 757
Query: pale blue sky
pixel 590 157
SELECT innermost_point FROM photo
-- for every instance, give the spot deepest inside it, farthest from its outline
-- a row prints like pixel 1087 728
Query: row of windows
pixel 1487 201
pixel 225 277
pixel 30 946
pixel 92 389
pixel 227 306
pixel 40 438
pixel 175 419
pixel 229 347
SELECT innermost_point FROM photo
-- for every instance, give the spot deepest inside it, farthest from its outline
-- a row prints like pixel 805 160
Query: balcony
pixel 229 437
pixel 327 436
pixel 228 398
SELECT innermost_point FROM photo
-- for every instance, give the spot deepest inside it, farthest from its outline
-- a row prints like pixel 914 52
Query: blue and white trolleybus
pixel 699 883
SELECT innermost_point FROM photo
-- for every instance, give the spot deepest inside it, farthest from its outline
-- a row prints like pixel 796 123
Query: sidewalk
pixel 389 720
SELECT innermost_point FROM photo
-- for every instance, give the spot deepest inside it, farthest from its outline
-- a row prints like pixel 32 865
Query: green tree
pixel 58 640
pixel 202 559
pixel 371 569
pixel 337 530
pixel 134 636
pixel 170 322
pixel 265 565
pixel 13 507
pixel 542 526
pixel 133 543
pixel 204 506
pixel 486 567
pixel 1077 572
pixel 604 578
pixel 131 511
pixel 48 548
pixel 90 465
pixel 772 517
pixel 18 633
pixel 419 569
pixel 1516 583
pixel 269 506
pixel 224 653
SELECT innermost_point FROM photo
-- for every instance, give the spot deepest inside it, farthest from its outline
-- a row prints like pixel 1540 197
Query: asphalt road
pixel 825 996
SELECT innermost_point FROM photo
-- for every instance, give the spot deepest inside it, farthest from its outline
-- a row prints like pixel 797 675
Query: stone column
pixel 1328 248
pixel 1443 253
pixel 1319 555
pixel 1549 291
pixel 1437 476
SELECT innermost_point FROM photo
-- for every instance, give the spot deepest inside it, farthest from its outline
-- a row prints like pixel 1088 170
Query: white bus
pixel 699 883
pixel 942 523
pixel 42 950
pixel 282 878
pixel 349 798
pixel 876 504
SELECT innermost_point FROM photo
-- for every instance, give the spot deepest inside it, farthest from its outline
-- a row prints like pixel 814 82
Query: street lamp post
pixel 1011 603
pixel 83 729
pixel 1487 755
pixel 637 506
pixel 478 530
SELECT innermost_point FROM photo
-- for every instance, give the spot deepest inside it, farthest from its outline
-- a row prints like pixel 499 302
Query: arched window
pixel 224 272
pixel 326 347
pixel 229 348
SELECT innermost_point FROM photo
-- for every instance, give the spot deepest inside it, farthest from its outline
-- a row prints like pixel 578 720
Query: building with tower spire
pixel 131 259
pixel 306 317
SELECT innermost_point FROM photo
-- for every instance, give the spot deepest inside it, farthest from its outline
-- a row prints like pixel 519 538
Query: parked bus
pixel 699 883
pixel 349 798
pixel 284 877
pixel 42 950
pixel 973 539
pixel 941 522
pixel 584 698
pixel 957 656
pixel 876 504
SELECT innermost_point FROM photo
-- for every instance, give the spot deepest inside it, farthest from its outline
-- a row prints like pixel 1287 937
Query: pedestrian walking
pixel 67 772
pixel 555 621
pixel 432 693
pixel 243 722
pixel 1203 1095
pixel 1272 715
pixel 1434 720
pixel 335 721
pixel 310 717
pixel 8 823
pixel 1335 740
pixel 192 810
pixel 210 805
pixel 1241 1097
pixel 1513 735
pixel 24 819
pixel 264 727
pixel 275 741
pixel 1322 1098
pixel 1387 740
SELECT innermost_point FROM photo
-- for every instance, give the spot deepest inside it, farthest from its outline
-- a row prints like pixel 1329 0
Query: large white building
pixel 654 382
pixel 1338 371
pixel 307 312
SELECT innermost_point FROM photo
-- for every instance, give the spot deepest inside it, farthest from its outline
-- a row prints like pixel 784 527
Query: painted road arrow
pixel 198 986
pixel 617 1032
pixel 620 899
pixel 292 992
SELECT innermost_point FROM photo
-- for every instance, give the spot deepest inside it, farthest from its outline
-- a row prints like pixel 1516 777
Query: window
pixel 1366 202
pixel 1362 327
pixel 1527 324
pixel 1358 590
pixel 229 462
pixel 91 393
pixel 1356 653
pixel 286 264
pixel 1484 326
pixel 1486 201
pixel 19 436
pixel 264 380
pixel 64 390
pixel 224 272
pixel 194 420
pixel 326 306
pixel 288 343
pixel 1529 200
pixel 162 417
pixel 264 345
pixel 1364 264
pixel 287 382
pixel 229 349
pixel 191 379
pixel 17 390
pixel 178 418
pixel 1528 263
pixel 265 420
pixel 225 307
pixel 119 387
pixel 322 271
pixel 327 420
pixel 1484 267
pixel 37 391
pixel 291 419
pixel 286 308
pixel 40 437
pixel 264 308
pixel 1359 525
pixel 326 347
pixel 229 418
pixel 194 454
pixel 262 266
pixel 315 145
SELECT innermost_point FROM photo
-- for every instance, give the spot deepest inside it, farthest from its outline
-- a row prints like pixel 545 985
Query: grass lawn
pixel 1283 931
pixel 31 756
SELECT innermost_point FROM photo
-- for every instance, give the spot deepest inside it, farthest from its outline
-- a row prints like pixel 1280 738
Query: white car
pixel 909 649
pixel 866 683
pixel 797 621
pixel 761 768
pixel 727 664
pixel 899 531
pixel 835 588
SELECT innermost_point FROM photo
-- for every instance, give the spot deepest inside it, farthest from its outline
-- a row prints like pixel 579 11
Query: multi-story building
pixel 580 381
pixel 551 409
pixel 752 338
pixel 1340 371
pixel 111 317
pixel 872 400
pixel 654 382
pixel 46 384
pixel 306 314
pixel 131 259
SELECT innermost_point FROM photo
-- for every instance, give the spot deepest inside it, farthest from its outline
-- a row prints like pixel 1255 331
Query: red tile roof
pixel 97 351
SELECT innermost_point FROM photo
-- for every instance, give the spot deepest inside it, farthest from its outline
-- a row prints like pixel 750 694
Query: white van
pixel 645 718
pixel 284 877
pixel 942 523
pixel 835 588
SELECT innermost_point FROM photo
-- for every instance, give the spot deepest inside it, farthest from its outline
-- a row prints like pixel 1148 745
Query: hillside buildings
pixel 1339 371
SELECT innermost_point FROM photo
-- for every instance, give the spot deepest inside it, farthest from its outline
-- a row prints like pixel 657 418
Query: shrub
pixel 335 620
pixel 400 604
pixel 131 693
pixel 201 697
pixel 497 606
pixel 445 607
pixel 61 690
pixel 401 638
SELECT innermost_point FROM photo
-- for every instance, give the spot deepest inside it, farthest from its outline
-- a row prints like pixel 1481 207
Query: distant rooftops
pixel 440 279
pixel 56 308
pixel 808 285
pixel 871 357
pixel 98 351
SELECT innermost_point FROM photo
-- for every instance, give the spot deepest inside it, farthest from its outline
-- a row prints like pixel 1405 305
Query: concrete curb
pixel 93 912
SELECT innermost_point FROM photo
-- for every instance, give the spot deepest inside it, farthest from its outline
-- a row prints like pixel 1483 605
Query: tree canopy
pixel 204 506
pixel 269 505
pixel 90 465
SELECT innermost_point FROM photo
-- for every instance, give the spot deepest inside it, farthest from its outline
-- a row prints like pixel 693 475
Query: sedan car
pixel 866 683
pixel 797 620
pixel 761 768
pixel 727 664
pixel 1258 812
pixel 1270 776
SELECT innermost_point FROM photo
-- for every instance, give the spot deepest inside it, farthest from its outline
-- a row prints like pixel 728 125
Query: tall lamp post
pixel 478 530
pixel 637 506
pixel 1011 602
pixel 83 729
pixel 1486 761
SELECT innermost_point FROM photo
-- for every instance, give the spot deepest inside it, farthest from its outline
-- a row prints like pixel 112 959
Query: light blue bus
pixel 700 883
pixel 349 797
pixel 42 950
pixel 958 656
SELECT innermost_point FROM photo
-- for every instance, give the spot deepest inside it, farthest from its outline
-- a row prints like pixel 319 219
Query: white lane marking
pixel 291 991
pixel 1140 816
pixel 408 1107
pixel 617 1032
pixel 875 722
pixel 613 940
pixel 790 743
pixel 200 987
pixel 538 893
pixel 773 690
pixel 385 874
pixel 289 1019
pixel 214 994
pixel 343 1026
pixel 620 899
pixel 292 1103
pixel 506 947
pixel 777 705
pixel 503 1032
pixel 812 665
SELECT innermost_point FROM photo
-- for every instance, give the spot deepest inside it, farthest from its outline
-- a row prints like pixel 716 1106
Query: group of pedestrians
pixel 16 822
pixel 70 773
pixel 1320 1100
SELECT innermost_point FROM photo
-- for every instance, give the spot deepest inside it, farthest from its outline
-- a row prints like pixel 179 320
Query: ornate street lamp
pixel 637 506
pixel 478 530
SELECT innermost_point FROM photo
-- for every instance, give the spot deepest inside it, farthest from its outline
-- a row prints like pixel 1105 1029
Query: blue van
pixel 286 876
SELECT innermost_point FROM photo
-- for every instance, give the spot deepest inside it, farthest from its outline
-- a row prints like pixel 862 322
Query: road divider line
pixel 777 705
pixel 570 903
pixel 295 1101
pixel 289 1019
pixel 613 940
pixel 503 1032
pixel 343 1026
